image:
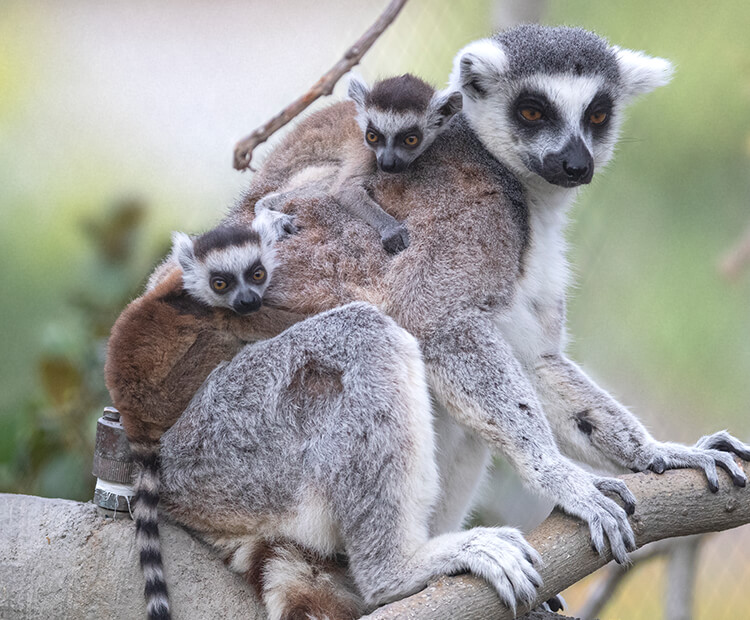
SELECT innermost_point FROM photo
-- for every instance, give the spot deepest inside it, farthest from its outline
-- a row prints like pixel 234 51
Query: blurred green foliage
pixel 46 439
pixel 650 316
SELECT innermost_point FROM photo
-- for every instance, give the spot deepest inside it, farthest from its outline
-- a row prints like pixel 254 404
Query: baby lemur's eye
pixel 597 118
pixel 372 137
pixel 411 140
pixel 219 284
pixel 259 275
pixel 531 114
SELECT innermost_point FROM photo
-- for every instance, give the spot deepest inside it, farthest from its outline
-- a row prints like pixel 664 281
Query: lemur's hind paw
pixel 708 453
pixel 270 201
pixel 395 239
pixel 504 558
pixel 278 225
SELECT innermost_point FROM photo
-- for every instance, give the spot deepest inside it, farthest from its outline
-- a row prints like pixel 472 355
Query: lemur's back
pixel 321 139
pixel 458 202
pixel 162 348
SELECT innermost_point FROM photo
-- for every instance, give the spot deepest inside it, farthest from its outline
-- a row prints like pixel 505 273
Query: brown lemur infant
pixel 166 342
pixel 399 118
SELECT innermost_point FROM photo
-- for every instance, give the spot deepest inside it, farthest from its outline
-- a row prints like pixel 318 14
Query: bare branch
pixel 243 151
pixel 676 503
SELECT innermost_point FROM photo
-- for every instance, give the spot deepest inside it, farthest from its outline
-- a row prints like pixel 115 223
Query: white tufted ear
pixel 358 90
pixel 444 106
pixel 477 68
pixel 182 250
pixel 641 73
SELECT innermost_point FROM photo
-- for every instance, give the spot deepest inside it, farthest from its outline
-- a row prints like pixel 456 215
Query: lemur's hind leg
pixel 351 195
pixel 383 493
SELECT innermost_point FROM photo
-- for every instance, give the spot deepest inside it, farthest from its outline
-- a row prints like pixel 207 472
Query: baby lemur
pixel 165 344
pixel 399 118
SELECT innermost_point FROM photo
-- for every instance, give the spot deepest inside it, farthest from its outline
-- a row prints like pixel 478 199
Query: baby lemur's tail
pixel 146 457
pixel 294 583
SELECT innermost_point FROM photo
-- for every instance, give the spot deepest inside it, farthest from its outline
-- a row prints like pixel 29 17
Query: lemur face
pixel 224 268
pixel 400 117
pixel 396 138
pixel 548 102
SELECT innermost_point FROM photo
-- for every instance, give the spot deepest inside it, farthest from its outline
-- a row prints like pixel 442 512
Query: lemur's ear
pixel 478 68
pixel 444 106
pixel 640 73
pixel 182 250
pixel 358 91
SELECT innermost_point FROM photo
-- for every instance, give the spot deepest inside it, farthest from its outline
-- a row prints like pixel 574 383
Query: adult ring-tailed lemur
pixel 481 286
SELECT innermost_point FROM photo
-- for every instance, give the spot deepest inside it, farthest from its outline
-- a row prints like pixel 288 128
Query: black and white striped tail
pixel 146 513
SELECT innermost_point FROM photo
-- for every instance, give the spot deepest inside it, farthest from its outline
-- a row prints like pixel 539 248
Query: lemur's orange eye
pixel 597 118
pixel 411 140
pixel 259 274
pixel 372 137
pixel 219 284
pixel 531 114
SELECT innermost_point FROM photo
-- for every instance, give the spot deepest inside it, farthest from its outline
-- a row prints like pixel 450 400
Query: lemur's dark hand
pixel 395 239
pixel 708 452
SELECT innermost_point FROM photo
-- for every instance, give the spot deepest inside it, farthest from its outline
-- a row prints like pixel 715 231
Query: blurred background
pixel 117 124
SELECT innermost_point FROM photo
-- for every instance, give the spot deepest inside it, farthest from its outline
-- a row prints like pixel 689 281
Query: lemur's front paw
pixel 502 556
pixel 270 201
pixel 708 452
pixel 585 499
pixel 278 224
pixel 395 239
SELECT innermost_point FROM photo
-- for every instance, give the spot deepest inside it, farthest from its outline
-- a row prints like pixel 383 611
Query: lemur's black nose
pixel 247 304
pixel 575 172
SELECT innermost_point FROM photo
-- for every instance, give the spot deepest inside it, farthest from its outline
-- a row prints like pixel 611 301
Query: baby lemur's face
pixel 224 268
pixel 400 117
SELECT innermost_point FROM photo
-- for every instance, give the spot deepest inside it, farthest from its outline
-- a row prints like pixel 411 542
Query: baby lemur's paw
pixel 395 238
pixel 708 452
pixel 274 224
pixel 502 556
pixel 583 497
pixel 270 201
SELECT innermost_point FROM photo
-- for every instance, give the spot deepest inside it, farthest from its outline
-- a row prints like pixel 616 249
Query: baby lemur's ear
pixel 182 250
pixel 444 106
pixel 640 73
pixel 358 91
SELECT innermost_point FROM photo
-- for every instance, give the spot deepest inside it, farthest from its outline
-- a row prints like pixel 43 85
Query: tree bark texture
pixel 63 559
pixel 676 503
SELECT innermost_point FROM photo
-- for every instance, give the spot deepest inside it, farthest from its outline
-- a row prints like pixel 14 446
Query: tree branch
pixel 243 151
pixel 61 555
pixel 676 503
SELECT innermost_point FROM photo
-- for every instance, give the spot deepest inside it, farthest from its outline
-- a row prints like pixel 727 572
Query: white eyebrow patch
pixel 570 95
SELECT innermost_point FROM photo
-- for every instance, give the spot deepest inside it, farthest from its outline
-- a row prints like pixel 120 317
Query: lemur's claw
pixel 658 466
pixel 708 453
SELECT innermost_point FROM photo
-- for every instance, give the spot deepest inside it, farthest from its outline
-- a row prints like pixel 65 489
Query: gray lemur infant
pixel 400 117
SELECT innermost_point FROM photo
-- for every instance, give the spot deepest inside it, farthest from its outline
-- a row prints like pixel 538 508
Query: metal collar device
pixel 113 464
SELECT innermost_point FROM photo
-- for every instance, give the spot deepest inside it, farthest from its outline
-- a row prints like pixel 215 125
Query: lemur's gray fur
pixel 321 440
pixel 399 118
pixel 482 287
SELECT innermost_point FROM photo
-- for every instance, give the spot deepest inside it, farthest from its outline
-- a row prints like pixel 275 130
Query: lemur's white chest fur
pixel 533 323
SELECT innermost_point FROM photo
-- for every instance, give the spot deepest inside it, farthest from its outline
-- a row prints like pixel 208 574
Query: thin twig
pixel 736 259
pixel 243 151
pixel 615 573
